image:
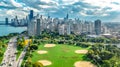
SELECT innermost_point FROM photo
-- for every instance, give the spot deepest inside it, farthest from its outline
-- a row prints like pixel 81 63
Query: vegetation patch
pixel 105 55
pixel 18 53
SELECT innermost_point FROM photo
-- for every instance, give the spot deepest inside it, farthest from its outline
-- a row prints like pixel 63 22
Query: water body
pixel 7 29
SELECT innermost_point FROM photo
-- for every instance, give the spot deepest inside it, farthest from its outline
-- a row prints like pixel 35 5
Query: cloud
pixel 14 3
pixel 40 4
pixel 67 2
pixel 116 3
pixel 85 9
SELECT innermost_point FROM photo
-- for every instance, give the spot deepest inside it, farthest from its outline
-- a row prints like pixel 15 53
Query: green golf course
pixel 60 55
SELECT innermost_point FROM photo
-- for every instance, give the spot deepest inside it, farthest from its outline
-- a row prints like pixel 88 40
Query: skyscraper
pixel 48 16
pixel 38 27
pixel 68 31
pixel 32 27
pixel 67 16
pixel 98 27
pixel 6 21
pixel 31 15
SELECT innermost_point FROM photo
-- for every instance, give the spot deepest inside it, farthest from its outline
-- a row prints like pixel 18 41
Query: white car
pixel 10 64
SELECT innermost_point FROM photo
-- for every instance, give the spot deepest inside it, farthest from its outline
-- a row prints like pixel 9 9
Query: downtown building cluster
pixel 37 24
pixel 19 22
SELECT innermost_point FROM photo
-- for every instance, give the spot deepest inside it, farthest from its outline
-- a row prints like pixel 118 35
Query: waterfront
pixel 7 29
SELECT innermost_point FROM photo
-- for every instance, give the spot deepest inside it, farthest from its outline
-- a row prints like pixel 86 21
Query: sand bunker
pixel 81 51
pixel 42 52
pixel 45 62
pixel 49 45
pixel 84 64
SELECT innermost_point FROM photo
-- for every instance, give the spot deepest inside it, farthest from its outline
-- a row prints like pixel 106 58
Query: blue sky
pixel 106 10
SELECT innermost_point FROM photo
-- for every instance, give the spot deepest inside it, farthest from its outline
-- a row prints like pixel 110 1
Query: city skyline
pixel 59 33
pixel 106 10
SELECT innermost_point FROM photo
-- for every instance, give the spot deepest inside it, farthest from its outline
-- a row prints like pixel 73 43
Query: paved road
pixel 9 59
pixel 21 57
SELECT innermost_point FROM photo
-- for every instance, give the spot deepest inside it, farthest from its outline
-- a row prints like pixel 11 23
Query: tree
pixel 106 55
pixel 1 53
pixel 82 44
pixel 28 62
pixel 34 47
pixel 27 55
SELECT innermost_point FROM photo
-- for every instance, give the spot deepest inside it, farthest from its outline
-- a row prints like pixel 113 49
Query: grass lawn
pixel 3 49
pixel 1 57
pixel 6 41
pixel 18 53
pixel 60 55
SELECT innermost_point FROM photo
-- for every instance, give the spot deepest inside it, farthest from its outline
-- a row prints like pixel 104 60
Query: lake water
pixel 7 29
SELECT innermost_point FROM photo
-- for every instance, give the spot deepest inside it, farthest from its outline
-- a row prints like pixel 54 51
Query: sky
pixel 105 10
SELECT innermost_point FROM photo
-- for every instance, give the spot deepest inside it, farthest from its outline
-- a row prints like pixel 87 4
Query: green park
pixel 60 55
pixel 65 51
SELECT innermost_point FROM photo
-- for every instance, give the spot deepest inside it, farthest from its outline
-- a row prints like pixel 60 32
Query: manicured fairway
pixel 60 55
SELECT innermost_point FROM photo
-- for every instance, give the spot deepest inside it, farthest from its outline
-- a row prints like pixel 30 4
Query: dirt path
pixel 42 52
pixel 45 62
pixel 84 64
pixel 49 45
pixel 81 51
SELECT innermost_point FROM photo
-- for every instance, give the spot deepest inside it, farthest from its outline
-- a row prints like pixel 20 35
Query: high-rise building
pixel 64 29
pixel 6 21
pixel 67 16
pixel 79 25
pixel 31 15
pixel 98 27
pixel 68 31
pixel 48 16
pixel 38 27
pixel 32 28
pixel 61 29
